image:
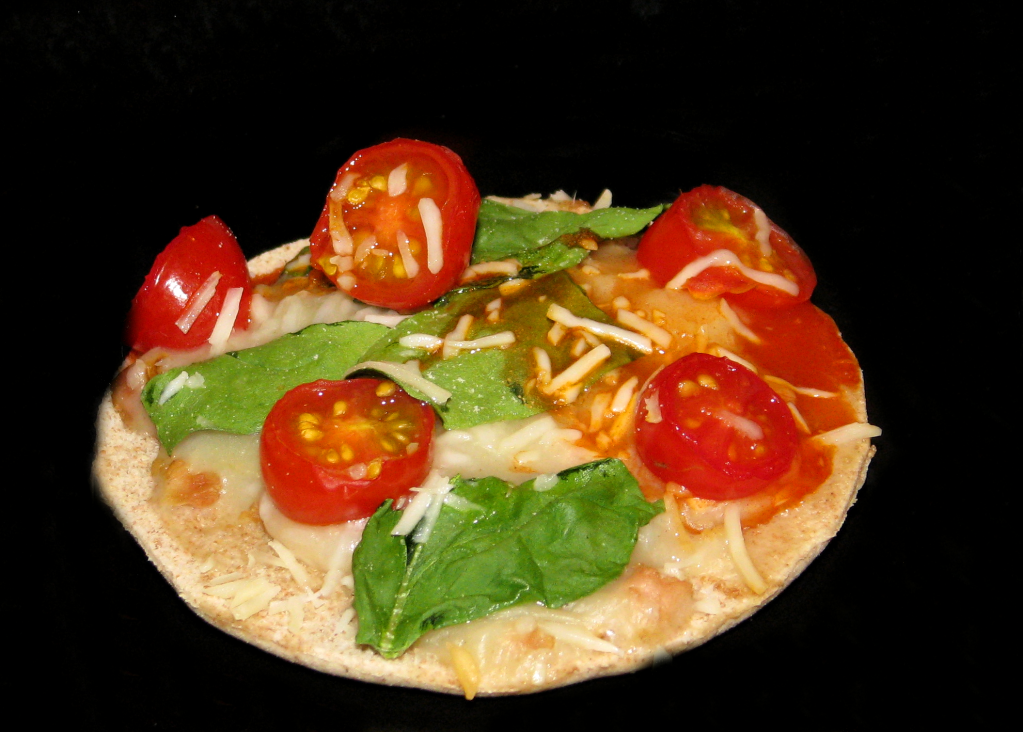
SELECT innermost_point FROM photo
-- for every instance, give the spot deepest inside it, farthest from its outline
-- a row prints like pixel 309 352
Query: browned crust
pixel 782 549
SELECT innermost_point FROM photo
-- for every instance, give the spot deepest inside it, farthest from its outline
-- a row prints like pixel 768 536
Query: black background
pixel 878 135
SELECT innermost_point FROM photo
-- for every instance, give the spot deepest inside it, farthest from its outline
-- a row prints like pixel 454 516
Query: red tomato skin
pixel 697 459
pixel 458 212
pixel 315 494
pixel 675 239
pixel 177 273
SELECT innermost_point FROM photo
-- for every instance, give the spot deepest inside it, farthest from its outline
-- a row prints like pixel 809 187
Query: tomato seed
pixel 310 434
pixel 708 381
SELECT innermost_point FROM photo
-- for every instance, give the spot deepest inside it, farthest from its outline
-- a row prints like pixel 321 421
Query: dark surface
pixel 882 143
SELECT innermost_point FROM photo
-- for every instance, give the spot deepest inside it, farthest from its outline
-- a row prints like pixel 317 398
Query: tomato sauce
pixel 802 345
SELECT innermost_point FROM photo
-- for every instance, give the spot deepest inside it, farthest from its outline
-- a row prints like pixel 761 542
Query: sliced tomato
pixel 714 427
pixel 398 225
pixel 333 451
pixel 202 260
pixel 753 263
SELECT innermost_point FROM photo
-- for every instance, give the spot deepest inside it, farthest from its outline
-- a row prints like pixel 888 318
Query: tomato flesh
pixel 709 219
pixel 714 427
pixel 177 276
pixel 333 451
pixel 374 239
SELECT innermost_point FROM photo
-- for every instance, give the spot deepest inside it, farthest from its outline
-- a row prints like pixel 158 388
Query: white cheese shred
pixel 603 200
pixel 717 350
pixel 291 563
pixel 578 636
pixel 727 258
pixel 654 332
pixel 848 433
pixel 737 549
pixel 397 181
pixel 567 318
pixel 578 370
pixel 434 227
pixel 763 235
pixel 228 314
pixel 421 341
pixel 736 322
pixel 173 387
pixel 408 260
pixel 197 303
pixel 408 374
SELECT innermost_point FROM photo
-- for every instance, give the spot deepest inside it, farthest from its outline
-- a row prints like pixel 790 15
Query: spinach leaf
pixel 240 388
pixel 513 545
pixel 492 384
pixel 543 241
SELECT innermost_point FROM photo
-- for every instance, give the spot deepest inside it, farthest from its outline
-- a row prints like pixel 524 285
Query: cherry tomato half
pixel 333 451
pixel 160 310
pixel 709 219
pixel 398 225
pixel 714 427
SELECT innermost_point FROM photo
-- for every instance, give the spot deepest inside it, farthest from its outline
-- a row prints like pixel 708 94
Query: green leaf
pixel 515 545
pixel 543 241
pixel 240 388
pixel 489 385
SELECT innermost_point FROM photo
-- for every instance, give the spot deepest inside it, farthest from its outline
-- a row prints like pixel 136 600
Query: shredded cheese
pixel 291 563
pixel 397 180
pixel 228 314
pixel 655 333
pixel 737 549
pixel 763 235
pixel 173 387
pixel 727 258
pixel 433 226
pixel 578 369
pixel 198 302
pixel 736 322
pixel 567 318
pixel 421 341
pixel 849 433
pixel 578 636
pixel 408 261
pixel 805 391
pixel 407 373
pixel 721 352
pixel 502 268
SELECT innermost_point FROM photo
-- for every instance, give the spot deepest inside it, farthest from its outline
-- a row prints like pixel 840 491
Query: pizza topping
pixel 397 228
pixel 726 258
pixel 333 451
pixel 722 433
pixel 737 550
pixel 184 295
pixel 225 321
pixel 481 376
pixel 561 315
pixel 849 433
pixel 475 563
pixel 713 242
pixel 197 303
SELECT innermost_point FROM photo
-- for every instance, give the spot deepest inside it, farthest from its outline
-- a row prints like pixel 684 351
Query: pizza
pixel 483 446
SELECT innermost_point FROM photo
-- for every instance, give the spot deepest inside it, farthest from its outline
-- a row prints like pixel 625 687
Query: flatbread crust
pixel 690 612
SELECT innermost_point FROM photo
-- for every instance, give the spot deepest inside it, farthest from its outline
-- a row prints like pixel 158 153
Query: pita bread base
pixel 780 549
